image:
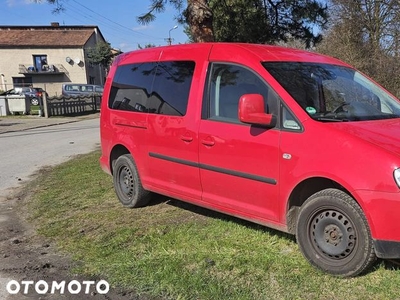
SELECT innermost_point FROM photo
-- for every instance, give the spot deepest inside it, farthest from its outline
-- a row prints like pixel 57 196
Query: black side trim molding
pixel 214 169
pixel 174 159
pixel 131 125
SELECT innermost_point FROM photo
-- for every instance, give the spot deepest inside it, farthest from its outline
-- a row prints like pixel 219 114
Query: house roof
pixel 46 36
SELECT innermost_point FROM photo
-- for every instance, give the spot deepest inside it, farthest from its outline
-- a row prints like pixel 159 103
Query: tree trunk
pixel 199 17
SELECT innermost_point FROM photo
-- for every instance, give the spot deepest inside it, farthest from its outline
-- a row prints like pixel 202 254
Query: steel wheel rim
pixel 332 234
pixel 126 182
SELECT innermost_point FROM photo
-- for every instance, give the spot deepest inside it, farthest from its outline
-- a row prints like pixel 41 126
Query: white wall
pixel 10 59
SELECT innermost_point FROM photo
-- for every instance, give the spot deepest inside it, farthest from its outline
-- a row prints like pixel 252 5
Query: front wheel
pixel 127 184
pixel 333 234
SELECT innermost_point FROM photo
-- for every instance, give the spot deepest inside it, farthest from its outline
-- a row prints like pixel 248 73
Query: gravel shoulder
pixel 26 256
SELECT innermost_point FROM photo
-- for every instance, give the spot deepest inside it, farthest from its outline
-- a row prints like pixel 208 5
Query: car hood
pixel 383 133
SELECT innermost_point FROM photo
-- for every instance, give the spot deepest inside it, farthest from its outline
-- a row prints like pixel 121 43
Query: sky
pixel 116 19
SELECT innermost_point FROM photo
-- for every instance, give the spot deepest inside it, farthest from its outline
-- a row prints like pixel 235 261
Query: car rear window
pixel 161 88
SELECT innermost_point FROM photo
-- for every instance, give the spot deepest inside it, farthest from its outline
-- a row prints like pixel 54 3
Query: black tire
pixel 333 234
pixel 35 101
pixel 127 184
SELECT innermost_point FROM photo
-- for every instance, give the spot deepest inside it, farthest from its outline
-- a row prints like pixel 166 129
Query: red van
pixel 290 139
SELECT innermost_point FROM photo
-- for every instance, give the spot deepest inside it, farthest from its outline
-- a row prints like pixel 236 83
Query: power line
pixel 118 30
pixel 124 36
pixel 113 22
pixel 77 11
pixel 80 21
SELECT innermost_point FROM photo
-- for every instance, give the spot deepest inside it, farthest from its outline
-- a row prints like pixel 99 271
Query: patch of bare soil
pixel 26 256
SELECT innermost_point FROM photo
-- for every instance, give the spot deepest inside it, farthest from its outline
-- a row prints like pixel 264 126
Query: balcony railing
pixel 46 70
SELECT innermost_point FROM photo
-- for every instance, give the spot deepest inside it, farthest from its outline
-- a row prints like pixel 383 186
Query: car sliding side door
pixel 173 120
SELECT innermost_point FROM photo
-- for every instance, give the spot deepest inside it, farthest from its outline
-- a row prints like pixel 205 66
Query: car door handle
pixel 186 138
pixel 208 142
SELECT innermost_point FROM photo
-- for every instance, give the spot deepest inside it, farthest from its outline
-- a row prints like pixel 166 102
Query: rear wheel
pixel 35 101
pixel 127 184
pixel 333 234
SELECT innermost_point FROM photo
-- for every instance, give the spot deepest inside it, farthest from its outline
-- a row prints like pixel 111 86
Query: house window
pixel 40 63
pixel 22 81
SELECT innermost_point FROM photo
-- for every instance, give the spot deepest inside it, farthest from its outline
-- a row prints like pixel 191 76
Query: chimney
pixel 55 24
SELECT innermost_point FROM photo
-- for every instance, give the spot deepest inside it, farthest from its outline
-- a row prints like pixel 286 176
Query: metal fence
pixel 52 106
pixel 64 106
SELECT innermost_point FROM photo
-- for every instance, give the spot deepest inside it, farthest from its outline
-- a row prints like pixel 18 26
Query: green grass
pixel 179 251
pixel 35 109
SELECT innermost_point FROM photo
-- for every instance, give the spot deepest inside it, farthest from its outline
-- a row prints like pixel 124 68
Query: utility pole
pixel 169 41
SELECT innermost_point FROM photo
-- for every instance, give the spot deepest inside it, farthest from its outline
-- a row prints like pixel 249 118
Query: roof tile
pixel 44 38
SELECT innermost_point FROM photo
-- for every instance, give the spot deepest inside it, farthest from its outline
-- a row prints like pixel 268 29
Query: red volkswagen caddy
pixel 290 139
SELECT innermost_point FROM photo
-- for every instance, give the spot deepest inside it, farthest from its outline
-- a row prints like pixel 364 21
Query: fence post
pixel 46 112
pixel 94 99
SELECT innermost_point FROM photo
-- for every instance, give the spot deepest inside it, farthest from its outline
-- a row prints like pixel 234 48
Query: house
pixel 48 56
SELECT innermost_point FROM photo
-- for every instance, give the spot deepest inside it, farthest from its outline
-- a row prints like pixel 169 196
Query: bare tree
pixel 378 20
pixel 365 33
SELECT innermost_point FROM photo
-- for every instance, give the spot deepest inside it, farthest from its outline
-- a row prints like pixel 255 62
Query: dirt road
pixel 29 265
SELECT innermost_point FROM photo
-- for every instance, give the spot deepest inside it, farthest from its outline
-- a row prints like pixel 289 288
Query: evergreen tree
pixel 100 54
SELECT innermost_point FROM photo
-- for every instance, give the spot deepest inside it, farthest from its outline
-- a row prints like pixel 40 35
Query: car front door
pixel 239 163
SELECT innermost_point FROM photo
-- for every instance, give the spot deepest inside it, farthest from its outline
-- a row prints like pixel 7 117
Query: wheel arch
pixel 116 152
pixel 302 192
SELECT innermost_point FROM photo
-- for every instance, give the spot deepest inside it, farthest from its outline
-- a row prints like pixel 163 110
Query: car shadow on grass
pixel 208 213
pixel 391 264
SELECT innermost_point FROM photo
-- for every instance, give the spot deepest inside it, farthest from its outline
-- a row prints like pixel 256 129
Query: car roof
pixel 262 51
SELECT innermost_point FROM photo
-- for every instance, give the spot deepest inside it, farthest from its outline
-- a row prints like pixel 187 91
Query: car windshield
pixel 334 93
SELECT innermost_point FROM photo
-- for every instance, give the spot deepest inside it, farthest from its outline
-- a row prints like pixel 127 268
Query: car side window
pixel 227 83
pixel 170 94
pixel 132 86
pixel 289 122
pixel 72 88
pixel 160 88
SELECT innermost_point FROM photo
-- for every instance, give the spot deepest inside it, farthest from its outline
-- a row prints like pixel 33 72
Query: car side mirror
pixel 252 111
